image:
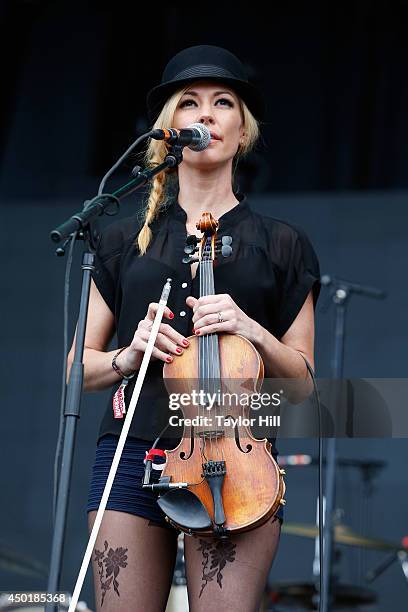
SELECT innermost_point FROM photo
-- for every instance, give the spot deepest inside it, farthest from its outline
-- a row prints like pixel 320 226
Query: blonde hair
pixel 165 184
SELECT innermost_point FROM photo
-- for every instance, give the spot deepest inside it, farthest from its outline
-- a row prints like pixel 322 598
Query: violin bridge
pixel 211 434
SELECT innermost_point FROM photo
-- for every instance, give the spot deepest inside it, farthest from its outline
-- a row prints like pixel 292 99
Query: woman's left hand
pixel 210 309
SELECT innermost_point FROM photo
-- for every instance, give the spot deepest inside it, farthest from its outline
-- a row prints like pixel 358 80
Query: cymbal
pixel 305 594
pixel 342 535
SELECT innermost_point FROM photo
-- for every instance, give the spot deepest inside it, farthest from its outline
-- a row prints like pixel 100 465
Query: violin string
pixel 212 356
pixel 204 345
pixel 215 359
pixel 210 347
pixel 217 381
pixel 216 375
pixel 219 408
pixel 205 342
pixel 201 360
pixel 209 291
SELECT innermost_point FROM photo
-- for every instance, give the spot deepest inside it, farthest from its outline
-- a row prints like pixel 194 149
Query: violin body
pixel 220 479
pixel 253 486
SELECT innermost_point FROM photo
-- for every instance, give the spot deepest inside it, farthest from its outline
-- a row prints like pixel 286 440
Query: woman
pixel 266 291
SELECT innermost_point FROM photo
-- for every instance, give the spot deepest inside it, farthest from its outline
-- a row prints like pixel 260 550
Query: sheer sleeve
pixel 299 273
pixel 106 274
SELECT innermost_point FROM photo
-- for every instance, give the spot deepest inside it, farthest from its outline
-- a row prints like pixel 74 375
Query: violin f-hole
pixel 183 454
pixel 238 441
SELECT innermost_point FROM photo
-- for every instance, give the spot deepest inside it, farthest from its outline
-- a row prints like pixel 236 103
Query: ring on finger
pixel 220 319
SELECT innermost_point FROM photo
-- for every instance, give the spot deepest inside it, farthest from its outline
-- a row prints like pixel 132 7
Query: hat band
pixel 204 70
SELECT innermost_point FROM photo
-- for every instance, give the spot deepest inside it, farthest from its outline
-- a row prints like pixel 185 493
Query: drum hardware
pixel 305 595
pixel 12 561
pixel 342 535
pixel 401 556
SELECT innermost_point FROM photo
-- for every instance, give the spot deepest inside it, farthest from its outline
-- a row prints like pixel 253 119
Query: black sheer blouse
pixel 272 268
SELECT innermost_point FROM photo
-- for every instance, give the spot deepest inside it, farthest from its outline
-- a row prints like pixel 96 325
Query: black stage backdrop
pixel 75 77
pixel 334 160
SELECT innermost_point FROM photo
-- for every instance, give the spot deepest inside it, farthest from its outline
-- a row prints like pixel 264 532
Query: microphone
pixel 196 137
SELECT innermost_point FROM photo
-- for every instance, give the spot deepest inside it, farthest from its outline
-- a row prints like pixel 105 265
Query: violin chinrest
pixel 185 509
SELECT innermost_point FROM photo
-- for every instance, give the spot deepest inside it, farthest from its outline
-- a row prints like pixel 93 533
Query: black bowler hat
pixel 205 62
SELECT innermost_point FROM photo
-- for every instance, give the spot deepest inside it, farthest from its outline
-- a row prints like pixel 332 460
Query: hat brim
pixel 157 97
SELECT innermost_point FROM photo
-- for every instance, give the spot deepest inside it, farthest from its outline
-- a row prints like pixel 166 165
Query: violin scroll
pixel 209 245
pixel 207 224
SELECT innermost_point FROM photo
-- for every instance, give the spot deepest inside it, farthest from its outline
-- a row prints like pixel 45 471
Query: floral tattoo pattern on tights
pixel 109 564
pixel 216 554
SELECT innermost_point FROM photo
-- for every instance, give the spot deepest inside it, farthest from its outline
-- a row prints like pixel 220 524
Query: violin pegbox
pixel 209 246
pixel 190 248
pixel 191 244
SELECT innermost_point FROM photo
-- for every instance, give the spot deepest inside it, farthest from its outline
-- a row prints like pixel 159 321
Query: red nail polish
pixel 179 350
pixel 171 315
pixel 197 333
pixel 169 359
pixel 185 343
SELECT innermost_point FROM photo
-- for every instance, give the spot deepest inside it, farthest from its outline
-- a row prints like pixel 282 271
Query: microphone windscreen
pixel 205 137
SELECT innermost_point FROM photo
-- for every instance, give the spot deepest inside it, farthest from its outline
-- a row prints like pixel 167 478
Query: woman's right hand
pixel 169 342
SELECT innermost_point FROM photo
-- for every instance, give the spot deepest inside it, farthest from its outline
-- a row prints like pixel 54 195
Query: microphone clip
pixel 175 155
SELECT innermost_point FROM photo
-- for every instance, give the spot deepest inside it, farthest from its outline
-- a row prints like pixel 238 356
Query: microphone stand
pixel 82 225
pixel 340 296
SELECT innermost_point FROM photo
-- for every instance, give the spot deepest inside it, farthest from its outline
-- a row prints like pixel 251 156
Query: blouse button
pixel 183 313
pixel 184 285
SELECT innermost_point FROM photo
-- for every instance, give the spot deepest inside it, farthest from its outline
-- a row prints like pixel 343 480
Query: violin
pixel 219 480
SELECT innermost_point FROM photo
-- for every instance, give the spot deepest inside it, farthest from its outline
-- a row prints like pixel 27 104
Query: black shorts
pixel 127 493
